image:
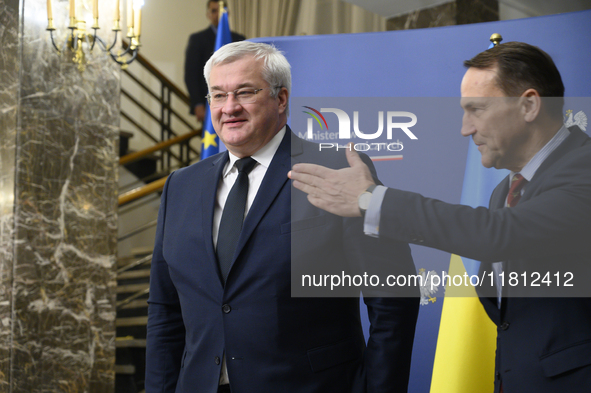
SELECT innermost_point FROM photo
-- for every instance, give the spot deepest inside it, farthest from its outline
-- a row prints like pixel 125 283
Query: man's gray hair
pixel 276 68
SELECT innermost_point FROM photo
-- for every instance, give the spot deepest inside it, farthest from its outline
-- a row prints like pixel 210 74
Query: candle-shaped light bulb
pixel 137 25
pixel 130 18
pixel 49 12
pixel 95 9
pixel 117 12
pixel 72 9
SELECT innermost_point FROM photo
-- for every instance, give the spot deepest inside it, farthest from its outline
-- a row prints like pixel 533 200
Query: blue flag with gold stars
pixel 210 140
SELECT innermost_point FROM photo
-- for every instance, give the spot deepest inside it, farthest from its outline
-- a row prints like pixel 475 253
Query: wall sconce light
pixel 78 34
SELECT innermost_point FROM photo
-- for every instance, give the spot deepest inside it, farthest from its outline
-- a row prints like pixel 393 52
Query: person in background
pixel 200 47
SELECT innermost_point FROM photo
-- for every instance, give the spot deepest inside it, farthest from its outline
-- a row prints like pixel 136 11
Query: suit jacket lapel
pixel 499 195
pixel 207 204
pixel 489 297
pixel 273 182
pixel 297 148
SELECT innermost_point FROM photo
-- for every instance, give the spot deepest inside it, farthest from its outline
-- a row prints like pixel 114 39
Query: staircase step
pixel 132 274
pixel 131 321
pixel 141 251
pixel 130 343
pixel 155 176
pixel 124 142
pixel 143 167
pixel 132 312
pixel 141 303
pixel 134 331
pixel 127 369
pixel 124 262
pixel 132 288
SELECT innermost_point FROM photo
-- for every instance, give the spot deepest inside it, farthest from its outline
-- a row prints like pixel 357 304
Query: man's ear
pixel 531 104
pixel 283 98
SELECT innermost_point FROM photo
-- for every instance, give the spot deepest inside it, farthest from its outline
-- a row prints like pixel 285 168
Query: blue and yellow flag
pixel 465 354
pixel 210 140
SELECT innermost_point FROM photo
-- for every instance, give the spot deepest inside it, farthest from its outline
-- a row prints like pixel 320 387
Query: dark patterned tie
pixel 517 184
pixel 233 216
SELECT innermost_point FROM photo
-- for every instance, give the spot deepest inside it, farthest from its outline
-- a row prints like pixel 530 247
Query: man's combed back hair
pixel 276 68
pixel 520 67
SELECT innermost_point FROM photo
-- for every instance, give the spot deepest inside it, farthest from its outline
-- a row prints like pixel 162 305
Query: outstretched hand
pixel 335 191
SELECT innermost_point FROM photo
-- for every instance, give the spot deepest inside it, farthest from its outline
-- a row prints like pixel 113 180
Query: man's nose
pixel 468 127
pixel 231 105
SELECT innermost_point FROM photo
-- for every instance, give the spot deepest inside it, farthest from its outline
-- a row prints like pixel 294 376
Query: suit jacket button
pixel 504 326
pixel 226 308
pixel 498 375
pixel 217 360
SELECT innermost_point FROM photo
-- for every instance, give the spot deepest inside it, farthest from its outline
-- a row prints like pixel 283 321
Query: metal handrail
pixel 129 299
pixel 154 95
pixel 165 81
pixel 142 191
pixel 139 229
pixel 126 159
pixel 139 262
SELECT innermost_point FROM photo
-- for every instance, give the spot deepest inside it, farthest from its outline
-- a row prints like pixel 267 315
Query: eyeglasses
pixel 245 95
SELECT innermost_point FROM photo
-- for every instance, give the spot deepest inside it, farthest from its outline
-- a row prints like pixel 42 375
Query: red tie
pixel 517 183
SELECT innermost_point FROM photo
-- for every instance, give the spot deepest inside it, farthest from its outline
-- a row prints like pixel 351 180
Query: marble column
pixel 58 199
pixel 456 12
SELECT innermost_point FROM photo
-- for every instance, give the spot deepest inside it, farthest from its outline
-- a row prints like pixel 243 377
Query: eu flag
pixel 210 140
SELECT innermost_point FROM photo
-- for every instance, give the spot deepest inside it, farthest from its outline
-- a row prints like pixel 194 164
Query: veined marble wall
pixel 58 198
pixel 8 110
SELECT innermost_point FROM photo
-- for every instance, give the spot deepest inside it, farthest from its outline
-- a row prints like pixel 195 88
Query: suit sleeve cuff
pixel 371 224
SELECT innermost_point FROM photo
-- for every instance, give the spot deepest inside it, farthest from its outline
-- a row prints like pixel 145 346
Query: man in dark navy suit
pixel 200 47
pixel 536 228
pixel 221 313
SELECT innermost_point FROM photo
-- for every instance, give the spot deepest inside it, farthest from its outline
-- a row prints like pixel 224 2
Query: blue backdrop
pixel 428 63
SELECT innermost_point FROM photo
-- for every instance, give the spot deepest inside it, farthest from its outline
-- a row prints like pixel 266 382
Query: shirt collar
pixel 263 156
pixel 529 170
pixel 214 28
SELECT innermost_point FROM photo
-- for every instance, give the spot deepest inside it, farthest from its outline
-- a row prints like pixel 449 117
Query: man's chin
pixel 487 164
pixel 233 143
